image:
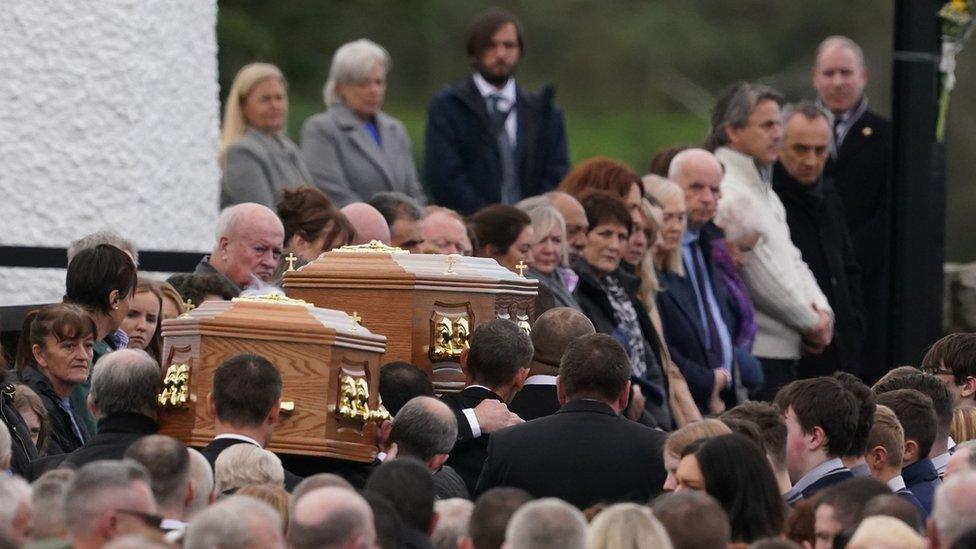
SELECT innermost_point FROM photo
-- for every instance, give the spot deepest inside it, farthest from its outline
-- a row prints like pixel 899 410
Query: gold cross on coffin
pixel 291 259
pixel 356 320
pixel 187 306
pixel 521 267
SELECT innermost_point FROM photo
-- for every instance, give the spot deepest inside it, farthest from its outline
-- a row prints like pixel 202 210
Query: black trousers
pixel 777 372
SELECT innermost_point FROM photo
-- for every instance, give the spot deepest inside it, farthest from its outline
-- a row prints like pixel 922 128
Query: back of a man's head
pixel 400 382
pixel 554 330
pixel 168 463
pixel 331 517
pixel 240 522
pixel 126 381
pixel 499 349
pixel 202 476
pixel 865 411
pixel 546 523
pixel 103 237
pixel 954 510
pixel 47 495
pixel 394 205
pixel 15 507
pixel 453 516
pixel 822 402
pixel 847 500
pixel 932 387
pixel 368 223
pixel 246 388
pixel 424 428
pixel 917 417
pixel 492 511
pixel 316 481
pixel 594 366
pixel 771 428
pixel 894 505
pixel 104 486
pixel 409 486
pixel 678 510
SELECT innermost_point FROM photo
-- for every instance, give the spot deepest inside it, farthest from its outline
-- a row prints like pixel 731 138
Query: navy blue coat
pixel 922 479
pixel 682 327
pixel 462 164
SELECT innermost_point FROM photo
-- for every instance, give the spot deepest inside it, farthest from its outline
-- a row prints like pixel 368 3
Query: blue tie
pixel 510 192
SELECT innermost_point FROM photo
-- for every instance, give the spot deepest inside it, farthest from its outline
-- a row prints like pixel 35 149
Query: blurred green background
pixel 631 76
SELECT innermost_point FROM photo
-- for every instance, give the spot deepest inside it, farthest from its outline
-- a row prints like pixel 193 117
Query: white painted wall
pixel 108 120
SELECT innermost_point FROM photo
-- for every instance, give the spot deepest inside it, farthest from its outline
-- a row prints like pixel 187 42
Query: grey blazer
pixel 348 165
pixel 257 166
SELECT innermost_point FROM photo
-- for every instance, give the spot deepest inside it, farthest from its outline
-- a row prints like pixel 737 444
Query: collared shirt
pixel 473 419
pixel 861 470
pixel 896 483
pixel 940 462
pixel 235 436
pixel 65 404
pixel 506 101
pixel 828 467
pixel 541 379
pixel 844 121
pixel 691 266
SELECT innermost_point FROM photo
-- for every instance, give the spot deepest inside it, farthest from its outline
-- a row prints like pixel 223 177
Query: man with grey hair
pixel 404 215
pixel 444 232
pixel 47 499
pixel 240 522
pixel 108 499
pixel 954 510
pixel 547 523
pixel 815 218
pixel 793 315
pixel 963 459
pixel 331 517
pixel 495 365
pixel 368 223
pixel 202 477
pixel 425 429
pixel 123 396
pixel 453 516
pixel 553 331
pixel 168 463
pixel 104 237
pixel 16 508
pixel 860 167
pixel 250 238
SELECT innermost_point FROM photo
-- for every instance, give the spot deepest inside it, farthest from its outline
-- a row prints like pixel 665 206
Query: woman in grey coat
pixel 257 157
pixel 353 150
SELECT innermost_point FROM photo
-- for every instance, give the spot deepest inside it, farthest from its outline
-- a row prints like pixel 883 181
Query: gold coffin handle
pixel 287 407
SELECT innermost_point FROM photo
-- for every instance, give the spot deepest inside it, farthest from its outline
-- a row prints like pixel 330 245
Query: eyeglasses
pixel 149 519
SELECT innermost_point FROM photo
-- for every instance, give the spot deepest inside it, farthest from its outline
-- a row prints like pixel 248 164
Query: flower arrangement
pixel 957 24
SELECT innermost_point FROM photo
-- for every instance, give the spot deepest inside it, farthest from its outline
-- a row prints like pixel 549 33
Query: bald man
pixel 425 429
pixel 576 224
pixel 331 517
pixel 249 242
pixel 368 222
pixel 443 231
pixel 553 331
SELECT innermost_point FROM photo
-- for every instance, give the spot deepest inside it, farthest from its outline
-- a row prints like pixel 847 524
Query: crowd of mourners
pixel 705 368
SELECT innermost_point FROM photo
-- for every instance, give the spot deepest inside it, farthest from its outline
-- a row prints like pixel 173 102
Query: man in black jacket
pixel 488 140
pixel 586 452
pixel 815 216
pixel 245 402
pixel 860 167
pixel 496 366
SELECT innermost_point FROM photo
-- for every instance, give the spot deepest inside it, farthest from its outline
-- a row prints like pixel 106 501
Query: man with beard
pixel 489 140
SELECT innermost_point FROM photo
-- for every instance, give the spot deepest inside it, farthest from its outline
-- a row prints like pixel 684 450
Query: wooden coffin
pixel 329 367
pixel 425 304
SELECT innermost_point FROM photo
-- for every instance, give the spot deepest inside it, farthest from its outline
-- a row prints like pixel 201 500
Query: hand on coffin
pixel 493 415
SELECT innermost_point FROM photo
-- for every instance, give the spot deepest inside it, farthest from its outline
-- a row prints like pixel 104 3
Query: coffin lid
pixel 375 265
pixel 274 317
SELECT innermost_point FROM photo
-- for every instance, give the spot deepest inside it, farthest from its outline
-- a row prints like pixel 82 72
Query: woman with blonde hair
pixel 275 496
pixel 627 525
pixel 963 424
pixel 674 221
pixel 548 247
pixel 144 318
pixel 244 464
pixel 258 159
pixel 353 149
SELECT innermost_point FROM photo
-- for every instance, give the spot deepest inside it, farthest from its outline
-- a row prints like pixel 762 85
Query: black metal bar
pixel 56 258
pixel 919 184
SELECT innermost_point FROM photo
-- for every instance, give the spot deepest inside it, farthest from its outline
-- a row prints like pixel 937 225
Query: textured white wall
pixel 108 120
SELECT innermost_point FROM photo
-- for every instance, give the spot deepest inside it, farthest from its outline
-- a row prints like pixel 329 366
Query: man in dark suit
pixel 586 452
pixel 821 420
pixel 488 140
pixel 425 429
pixel 694 307
pixel 496 366
pixel 552 332
pixel 815 216
pixel 245 404
pixel 860 167
pixel 123 393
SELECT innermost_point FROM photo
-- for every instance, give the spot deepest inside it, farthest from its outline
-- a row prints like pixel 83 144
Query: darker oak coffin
pixel 425 304
pixel 329 368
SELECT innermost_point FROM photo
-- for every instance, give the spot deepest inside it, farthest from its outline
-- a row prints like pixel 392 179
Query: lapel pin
pixel 867 131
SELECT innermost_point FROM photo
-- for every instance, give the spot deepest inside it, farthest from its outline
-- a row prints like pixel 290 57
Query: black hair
pixel 594 366
pixel 245 388
pixel 400 382
pixel 822 402
pixel 916 415
pixel 865 412
pixel 486 26
pixel 499 349
pixel 409 486
pixel 95 272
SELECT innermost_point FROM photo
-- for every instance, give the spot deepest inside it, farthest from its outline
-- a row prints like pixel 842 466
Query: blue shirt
pixel 693 260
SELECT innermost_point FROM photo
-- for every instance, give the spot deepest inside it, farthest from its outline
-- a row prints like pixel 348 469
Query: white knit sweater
pixel 781 285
